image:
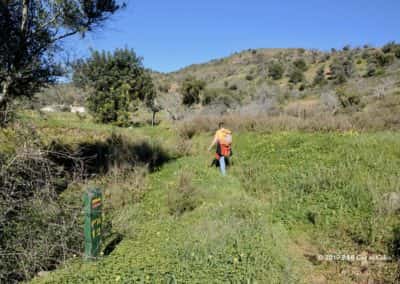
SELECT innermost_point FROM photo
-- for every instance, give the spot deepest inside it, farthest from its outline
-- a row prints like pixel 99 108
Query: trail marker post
pixel 93 221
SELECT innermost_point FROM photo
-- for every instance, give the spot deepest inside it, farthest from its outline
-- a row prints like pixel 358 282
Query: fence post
pixel 93 221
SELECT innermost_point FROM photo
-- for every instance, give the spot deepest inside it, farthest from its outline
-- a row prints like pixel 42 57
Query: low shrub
pixel 397 51
pixel 395 244
pixel 296 76
pixel 348 99
pixel 300 64
pixel 381 59
pixel 184 197
pixel 187 130
pixel 341 69
pixel 249 77
pixel 371 70
pixel 184 147
pixel 319 78
pixel 233 87
pixel 389 47
pixel 275 70
pixel 124 187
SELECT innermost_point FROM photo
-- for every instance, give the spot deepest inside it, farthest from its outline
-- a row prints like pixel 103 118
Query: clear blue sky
pixel 175 33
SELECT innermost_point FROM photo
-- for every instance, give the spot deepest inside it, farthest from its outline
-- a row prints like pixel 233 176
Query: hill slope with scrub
pixel 350 82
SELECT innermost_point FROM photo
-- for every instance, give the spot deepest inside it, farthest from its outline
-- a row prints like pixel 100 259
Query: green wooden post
pixel 93 219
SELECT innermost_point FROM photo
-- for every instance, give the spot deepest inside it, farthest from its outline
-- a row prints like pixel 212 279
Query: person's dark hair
pixel 220 124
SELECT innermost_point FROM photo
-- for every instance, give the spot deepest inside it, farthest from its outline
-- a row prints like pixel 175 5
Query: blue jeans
pixel 222 165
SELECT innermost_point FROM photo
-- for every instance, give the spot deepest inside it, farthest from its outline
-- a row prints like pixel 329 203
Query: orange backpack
pixel 224 143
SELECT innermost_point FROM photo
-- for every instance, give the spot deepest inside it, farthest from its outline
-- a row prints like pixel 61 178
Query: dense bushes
pixel 296 75
pixel 39 228
pixel 209 96
pixel 341 69
pixel 390 47
pixel 190 90
pixel 397 52
pixel 184 197
pixel 300 64
pixel 372 70
pixel 225 97
pixel 348 99
pixel 275 70
pixel 381 59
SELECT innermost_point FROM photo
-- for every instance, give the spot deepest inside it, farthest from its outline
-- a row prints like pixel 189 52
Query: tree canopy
pixel 31 31
pixel 116 83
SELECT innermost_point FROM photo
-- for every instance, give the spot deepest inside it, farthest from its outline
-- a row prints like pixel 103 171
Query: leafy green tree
pixel 116 82
pixel 31 32
pixel 275 70
pixel 190 90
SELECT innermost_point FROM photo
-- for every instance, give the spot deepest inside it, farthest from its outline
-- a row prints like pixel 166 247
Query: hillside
pixel 269 81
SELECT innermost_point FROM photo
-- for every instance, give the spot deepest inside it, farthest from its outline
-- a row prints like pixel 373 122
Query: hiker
pixel 223 140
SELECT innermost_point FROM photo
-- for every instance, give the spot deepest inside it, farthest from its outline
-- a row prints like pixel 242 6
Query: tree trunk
pixel 153 120
pixel 4 96
pixel 25 17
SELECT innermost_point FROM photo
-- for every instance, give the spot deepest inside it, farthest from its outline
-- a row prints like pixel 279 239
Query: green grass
pixel 286 196
pixel 71 129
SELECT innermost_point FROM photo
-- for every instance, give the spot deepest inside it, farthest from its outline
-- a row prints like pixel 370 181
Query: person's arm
pixel 215 140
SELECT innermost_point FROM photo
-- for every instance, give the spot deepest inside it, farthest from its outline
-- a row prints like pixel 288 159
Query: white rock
pixel 78 109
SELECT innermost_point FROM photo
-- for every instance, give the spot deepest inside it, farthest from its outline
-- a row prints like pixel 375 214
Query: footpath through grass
pixel 287 198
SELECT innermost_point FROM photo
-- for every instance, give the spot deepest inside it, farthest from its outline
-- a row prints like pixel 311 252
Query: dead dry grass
pixel 307 116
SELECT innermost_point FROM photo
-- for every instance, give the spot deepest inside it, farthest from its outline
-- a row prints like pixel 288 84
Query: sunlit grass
pixel 322 190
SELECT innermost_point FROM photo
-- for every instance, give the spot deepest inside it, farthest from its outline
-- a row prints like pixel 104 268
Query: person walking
pixel 223 140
